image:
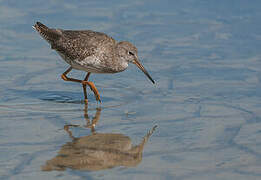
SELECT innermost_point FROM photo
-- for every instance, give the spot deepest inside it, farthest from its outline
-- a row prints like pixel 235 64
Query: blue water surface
pixel 205 58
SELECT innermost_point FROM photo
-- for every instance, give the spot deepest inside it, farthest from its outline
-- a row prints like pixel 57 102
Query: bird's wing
pixel 92 51
pixel 87 49
pixel 82 44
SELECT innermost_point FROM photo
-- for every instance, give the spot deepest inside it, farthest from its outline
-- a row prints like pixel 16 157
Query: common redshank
pixel 92 52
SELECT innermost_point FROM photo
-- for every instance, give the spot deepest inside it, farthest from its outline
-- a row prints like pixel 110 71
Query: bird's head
pixel 129 53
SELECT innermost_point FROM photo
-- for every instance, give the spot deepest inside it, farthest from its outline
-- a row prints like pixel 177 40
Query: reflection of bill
pixel 97 151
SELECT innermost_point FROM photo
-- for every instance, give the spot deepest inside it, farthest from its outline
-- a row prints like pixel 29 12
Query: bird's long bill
pixel 143 70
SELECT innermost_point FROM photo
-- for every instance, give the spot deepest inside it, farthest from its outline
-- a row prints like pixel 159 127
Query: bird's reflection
pixel 97 151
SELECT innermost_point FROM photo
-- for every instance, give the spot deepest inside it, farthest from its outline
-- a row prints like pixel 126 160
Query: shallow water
pixel 205 58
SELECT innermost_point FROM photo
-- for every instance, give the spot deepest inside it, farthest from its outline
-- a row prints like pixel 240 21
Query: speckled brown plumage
pixel 90 51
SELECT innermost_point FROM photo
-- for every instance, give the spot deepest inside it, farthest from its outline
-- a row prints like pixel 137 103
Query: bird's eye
pixel 130 53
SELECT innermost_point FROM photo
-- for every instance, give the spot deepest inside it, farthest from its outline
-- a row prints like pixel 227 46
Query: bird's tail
pixel 48 34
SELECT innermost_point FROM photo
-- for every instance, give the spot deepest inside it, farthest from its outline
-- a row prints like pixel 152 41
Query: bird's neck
pixel 121 65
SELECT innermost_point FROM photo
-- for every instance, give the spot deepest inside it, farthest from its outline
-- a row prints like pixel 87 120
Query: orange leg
pixel 84 83
pixel 84 88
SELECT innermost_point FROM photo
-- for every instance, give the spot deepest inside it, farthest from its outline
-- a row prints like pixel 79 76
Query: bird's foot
pixel 64 77
pixel 94 90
